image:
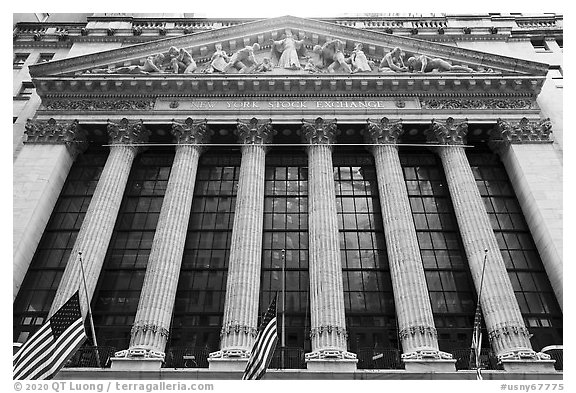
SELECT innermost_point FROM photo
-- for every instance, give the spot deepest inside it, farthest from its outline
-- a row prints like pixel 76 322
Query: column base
pixel 331 360
pixel 526 361
pixel 429 360
pixel 136 364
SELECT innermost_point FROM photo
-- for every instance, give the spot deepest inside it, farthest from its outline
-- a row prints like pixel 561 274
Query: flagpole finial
pixel 486 250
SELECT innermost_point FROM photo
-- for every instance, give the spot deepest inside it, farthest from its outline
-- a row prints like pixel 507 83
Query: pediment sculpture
pixel 289 55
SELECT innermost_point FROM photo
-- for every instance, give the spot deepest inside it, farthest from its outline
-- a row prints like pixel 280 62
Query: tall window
pixel 19 60
pixel 286 228
pixel 199 305
pixel 43 277
pixel 116 300
pixel 450 286
pixel 368 297
pixel 534 293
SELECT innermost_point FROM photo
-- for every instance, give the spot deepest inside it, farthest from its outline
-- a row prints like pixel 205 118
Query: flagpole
pixel 89 311
pixel 478 315
pixel 283 339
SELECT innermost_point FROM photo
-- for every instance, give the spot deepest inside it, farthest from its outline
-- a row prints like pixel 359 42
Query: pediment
pixel 313 41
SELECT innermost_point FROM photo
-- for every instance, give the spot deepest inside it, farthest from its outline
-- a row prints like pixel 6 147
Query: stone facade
pixel 351 73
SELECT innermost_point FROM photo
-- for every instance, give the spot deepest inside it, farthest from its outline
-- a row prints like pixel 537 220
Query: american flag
pixel 477 340
pixel 44 354
pixel 264 346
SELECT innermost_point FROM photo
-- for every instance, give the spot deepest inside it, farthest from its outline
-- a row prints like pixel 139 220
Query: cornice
pixel 259 31
pixel 202 85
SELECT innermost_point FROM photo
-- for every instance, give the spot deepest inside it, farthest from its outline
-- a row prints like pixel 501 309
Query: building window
pixel 44 57
pixel 539 45
pixel 536 298
pixel 119 286
pixel 43 277
pixel 19 60
pixel 452 293
pixel 26 91
pixel 560 42
pixel 199 306
pixel 368 296
pixel 286 228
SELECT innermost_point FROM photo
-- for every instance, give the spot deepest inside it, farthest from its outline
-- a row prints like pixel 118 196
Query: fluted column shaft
pixel 239 326
pixel 328 324
pixel 96 230
pixel 152 323
pixel 413 310
pixel 506 329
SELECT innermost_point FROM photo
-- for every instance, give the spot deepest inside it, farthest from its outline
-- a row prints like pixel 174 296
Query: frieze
pixel 99 105
pixel 525 131
pixel 419 355
pixel 478 104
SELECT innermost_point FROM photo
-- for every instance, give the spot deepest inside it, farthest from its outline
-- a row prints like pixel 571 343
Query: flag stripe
pixel 62 354
pixel 36 353
pixel 260 358
pixel 264 345
pixel 44 354
pixel 30 342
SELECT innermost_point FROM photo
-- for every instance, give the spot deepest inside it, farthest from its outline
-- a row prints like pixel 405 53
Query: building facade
pixel 381 175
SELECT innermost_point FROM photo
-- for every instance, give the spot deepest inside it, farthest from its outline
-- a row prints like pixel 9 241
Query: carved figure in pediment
pixel 181 62
pixel 332 55
pixel 311 66
pixel 151 64
pixel 393 61
pixel 243 60
pixel 286 53
pixel 265 66
pixel 359 60
pixel 424 63
pixel 219 60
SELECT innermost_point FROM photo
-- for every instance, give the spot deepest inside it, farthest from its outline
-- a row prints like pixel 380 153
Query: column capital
pixel 57 132
pixel 524 131
pixel 319 132
pixel 191 132
pixel 448 133
pixel 127 132
pixel 254 132
pixel 383 131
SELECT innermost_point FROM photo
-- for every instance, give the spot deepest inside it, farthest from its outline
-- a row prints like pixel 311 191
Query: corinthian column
pixel 96 230
pixel 413 310
pixel 508 335
pixel 328 324
pixel 39 175
pixel 239 326
pixel 150 330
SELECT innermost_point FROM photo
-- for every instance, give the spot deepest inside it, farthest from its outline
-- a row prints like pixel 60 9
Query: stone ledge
pixel 429 365
pixel 135 364
pixel 227 364
pixel 300 374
